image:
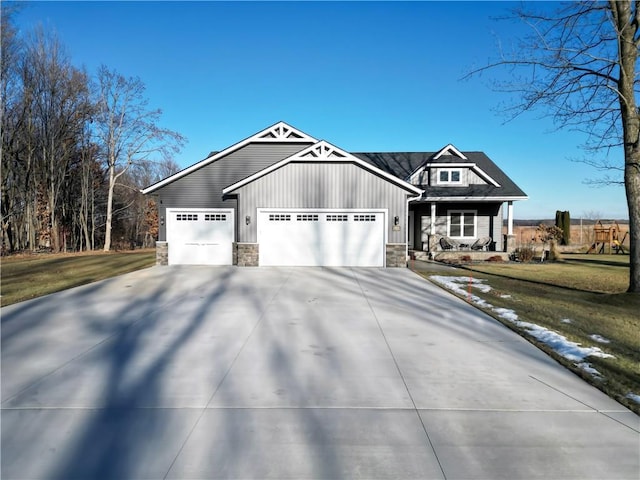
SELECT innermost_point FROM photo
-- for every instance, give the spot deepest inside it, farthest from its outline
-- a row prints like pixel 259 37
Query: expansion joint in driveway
pixel 226 374
pixel 395 361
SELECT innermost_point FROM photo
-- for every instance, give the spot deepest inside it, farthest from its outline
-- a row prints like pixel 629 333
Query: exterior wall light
pixel 396 220
pixel 162 220
pixel 247 219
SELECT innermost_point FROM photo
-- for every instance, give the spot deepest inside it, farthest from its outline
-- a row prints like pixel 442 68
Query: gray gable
pixel 203 187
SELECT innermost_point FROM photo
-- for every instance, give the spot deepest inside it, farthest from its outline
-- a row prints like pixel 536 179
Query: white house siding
pixel 329 185
pixel 203 188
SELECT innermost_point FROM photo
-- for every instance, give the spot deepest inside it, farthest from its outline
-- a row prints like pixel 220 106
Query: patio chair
pixel 481 244
pixel 447 243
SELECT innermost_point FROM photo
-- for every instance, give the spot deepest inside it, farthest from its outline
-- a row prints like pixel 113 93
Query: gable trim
pixel 451 150
pixel 323 151
pixel 280 132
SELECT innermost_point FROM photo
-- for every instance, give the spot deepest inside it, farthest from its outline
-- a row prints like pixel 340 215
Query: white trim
pixel 323 151
pixel 471 198
pixel 449 171
pixel 462 213
pixel 277 133
pixel 451 150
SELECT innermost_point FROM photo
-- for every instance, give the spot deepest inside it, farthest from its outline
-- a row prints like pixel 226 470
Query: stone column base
pixel 396 254
pixel 246 254
pixel 162 253
pixel 509 243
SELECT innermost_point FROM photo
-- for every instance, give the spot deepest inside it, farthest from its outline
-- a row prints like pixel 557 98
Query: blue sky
pixel 381 76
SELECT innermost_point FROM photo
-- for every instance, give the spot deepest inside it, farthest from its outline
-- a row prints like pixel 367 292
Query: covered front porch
pixel 437 227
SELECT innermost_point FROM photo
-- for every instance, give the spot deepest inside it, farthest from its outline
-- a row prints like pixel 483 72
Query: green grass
pixel 593 273
pixel 26 277
pixel 589 292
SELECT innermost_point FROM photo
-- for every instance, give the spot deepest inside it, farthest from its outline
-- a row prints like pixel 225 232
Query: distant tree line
pixel 75 150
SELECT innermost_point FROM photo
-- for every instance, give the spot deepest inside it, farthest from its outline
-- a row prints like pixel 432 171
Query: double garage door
pixel 321 238
pixel 285 237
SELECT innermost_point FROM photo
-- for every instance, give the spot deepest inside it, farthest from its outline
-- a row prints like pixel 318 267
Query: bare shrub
pixel 525 254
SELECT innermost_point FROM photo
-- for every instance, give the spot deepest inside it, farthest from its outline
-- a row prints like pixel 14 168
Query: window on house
pixel 449 175
pixel 462 223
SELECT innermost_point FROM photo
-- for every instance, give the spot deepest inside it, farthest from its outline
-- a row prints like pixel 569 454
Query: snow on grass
pixel 634 397
pixel 460 286
pixel 599 339
pixel 589 369
pixel 566 320
pixel 559 343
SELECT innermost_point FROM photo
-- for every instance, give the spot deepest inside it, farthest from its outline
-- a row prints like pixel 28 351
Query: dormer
pixel 449 167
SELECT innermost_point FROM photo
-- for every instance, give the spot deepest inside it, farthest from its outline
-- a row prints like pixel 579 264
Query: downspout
pixel 406 224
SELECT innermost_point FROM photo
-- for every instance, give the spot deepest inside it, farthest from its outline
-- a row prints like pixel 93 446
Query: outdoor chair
pixel 481 244
pixel 447 243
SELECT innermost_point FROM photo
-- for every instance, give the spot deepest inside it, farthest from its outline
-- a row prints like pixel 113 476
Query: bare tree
pixel 127 131
pixel 44 109
pixel 60 97
pixel 579 64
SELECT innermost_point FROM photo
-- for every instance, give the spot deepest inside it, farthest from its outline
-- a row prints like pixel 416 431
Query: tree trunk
pixel 632 185
pixel 628 56
pixel 112 183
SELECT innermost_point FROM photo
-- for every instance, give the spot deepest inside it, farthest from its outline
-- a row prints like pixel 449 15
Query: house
pixel 282 197
pixel 463 198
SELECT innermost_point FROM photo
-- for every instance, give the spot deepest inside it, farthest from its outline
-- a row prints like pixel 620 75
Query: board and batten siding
pixel 203 187
pixel 312 185
pixel 468 176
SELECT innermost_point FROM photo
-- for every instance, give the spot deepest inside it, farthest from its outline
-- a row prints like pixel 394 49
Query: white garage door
pixel 200 237
pixel 321 238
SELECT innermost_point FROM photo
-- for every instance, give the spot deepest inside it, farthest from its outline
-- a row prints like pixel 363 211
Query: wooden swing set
pixel 608 235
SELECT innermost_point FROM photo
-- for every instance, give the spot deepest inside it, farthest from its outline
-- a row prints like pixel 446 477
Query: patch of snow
pixel 507 314
pixel 589 369
pixel 568 349
pixel 599 339
pixel 460 285
pixel 566 320
pixel 505 296
pixel 634 397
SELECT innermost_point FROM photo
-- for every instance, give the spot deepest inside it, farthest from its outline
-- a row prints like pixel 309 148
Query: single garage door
pixel 200 237
pixel 321 238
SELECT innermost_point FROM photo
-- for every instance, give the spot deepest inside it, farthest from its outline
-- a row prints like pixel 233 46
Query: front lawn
pixel 576 311
pixel 30 276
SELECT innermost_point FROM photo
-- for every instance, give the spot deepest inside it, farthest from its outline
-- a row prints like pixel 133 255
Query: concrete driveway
pixel 291 373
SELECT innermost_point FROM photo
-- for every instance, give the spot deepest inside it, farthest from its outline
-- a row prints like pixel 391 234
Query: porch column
pixel 510 238
pixel 432 228
pixel 510 218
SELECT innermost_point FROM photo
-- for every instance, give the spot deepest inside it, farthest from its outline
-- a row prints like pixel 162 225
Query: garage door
pixel 200 237
pixel 321 238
